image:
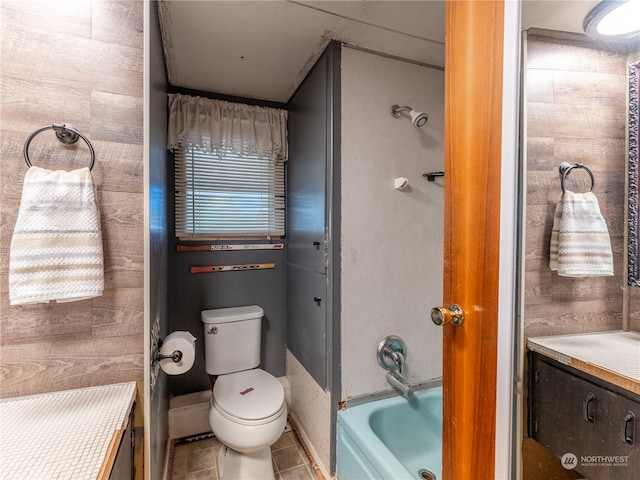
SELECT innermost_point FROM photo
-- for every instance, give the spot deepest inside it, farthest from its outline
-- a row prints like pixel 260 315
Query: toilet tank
pixel 232 338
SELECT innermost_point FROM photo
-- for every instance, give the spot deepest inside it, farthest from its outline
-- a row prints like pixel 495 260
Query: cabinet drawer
pixel 572 412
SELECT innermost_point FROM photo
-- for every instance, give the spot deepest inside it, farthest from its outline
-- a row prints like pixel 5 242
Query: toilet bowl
pixel 247 409
pixel 247 413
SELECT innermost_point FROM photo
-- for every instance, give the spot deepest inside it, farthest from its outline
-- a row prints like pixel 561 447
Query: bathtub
pixel 392 439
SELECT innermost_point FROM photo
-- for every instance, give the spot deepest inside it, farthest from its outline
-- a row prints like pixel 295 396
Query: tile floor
pixel 196 460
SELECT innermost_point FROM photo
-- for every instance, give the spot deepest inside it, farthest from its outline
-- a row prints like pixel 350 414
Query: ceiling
pixel 263 49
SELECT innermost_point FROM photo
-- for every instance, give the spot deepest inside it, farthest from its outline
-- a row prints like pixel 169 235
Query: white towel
pixel 580 244
pixel 555 236
pixel 56 248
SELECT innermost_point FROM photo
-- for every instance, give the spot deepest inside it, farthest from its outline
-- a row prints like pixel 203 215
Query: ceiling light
pixel 613 19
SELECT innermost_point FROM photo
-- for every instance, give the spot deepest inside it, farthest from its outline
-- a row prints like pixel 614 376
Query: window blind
pixel 228 195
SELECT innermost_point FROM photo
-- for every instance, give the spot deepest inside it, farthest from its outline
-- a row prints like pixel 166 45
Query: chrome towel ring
pixel 565 168
pixel 66 133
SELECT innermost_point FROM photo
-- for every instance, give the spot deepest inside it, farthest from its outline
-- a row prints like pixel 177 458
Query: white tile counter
pixel 611 356
pixel 69 434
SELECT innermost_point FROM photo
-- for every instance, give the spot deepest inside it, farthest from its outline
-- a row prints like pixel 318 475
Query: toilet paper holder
pixel 176 356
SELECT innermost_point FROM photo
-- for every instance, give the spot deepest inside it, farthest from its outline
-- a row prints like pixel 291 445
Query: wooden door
pixel 473 126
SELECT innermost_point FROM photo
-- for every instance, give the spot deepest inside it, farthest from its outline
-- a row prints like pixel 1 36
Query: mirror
pixel 634 177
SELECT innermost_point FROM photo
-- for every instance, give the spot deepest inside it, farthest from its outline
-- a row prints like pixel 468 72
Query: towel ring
pixel 565 168
pixel 66 133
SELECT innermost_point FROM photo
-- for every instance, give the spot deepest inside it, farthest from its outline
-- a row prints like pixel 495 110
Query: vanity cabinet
pixel 572 412
pixel 123 464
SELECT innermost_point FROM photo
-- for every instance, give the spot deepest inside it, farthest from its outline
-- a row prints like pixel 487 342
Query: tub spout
pixel 400 384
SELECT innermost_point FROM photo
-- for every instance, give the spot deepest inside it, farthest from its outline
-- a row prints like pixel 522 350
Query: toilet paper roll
pixel 183 342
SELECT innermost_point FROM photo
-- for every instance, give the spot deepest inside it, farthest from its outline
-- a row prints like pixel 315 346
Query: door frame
pixel 508 384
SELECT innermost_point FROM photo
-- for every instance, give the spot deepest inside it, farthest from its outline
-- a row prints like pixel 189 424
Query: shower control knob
pixel 443 315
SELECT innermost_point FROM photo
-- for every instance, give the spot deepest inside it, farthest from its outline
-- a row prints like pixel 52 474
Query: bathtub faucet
pixel 391 356
pixel 396 356
pixel 400 384
pixel 392 353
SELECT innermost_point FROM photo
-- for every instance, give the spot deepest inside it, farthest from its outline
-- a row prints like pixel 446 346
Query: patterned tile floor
pixel 196 460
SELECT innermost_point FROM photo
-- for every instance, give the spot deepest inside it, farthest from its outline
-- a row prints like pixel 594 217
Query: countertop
pixel 611 356
pixel 71 434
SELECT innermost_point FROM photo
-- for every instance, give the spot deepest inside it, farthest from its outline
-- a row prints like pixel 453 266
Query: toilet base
pixel 256 465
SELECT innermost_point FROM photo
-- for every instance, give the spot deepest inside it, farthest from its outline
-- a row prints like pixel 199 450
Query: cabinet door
pixel 572 415
pixel 306 320
pixel 623 436
pixel 123 464
pixel 567 411
pixel 307 172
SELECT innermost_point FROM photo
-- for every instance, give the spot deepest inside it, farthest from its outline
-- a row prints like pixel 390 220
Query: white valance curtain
pixel 223 127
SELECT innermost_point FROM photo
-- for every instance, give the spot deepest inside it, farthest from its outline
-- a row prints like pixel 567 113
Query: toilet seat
pixel 250 397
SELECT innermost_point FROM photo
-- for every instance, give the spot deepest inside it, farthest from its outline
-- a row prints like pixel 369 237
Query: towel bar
pixel 565 168
pixel 66 133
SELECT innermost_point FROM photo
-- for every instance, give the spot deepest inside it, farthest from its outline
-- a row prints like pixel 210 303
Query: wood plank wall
pixel 79 63
pixel 576 112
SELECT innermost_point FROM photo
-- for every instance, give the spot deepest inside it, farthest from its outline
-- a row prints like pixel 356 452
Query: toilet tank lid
pixel 231 314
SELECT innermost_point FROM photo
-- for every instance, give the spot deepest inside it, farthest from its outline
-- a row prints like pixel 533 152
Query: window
pixel 229 168
pixel 227 196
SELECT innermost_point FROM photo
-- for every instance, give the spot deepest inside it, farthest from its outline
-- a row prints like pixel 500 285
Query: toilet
pixel 247 410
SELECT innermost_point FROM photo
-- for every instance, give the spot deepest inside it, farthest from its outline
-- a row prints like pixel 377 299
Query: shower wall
pixel 79 64
pixel 392 241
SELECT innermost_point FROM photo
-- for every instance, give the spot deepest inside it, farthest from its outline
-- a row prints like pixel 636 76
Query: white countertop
pixel 612 356
pixel 68 434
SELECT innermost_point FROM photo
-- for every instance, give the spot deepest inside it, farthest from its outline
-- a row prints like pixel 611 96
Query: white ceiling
pixel 263 49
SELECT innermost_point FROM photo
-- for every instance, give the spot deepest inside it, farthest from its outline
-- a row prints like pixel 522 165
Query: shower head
pixel 418 119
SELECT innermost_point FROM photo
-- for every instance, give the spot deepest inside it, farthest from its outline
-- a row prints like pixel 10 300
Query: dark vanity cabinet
pixel 592 425
pixel 123 464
